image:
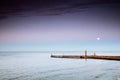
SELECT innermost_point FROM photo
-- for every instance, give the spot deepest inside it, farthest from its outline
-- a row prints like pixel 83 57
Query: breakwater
pixel 87 57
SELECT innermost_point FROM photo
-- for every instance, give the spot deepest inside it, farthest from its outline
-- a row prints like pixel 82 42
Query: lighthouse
pixel 85 53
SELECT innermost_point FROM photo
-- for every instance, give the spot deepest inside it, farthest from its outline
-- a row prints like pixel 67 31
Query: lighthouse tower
pixel 85 52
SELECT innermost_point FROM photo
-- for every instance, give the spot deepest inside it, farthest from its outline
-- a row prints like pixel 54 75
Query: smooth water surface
pixel 39 66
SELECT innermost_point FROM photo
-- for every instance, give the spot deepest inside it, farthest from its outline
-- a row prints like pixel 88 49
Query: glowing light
pixel 98 38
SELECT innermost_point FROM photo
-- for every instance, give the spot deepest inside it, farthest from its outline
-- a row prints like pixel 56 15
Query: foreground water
pixel 39 66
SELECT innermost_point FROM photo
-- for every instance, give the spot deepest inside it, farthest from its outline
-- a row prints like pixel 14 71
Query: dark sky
pixel 49 7
pixel 60 21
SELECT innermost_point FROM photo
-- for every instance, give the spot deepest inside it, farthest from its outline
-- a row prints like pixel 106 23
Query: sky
pixel 59 25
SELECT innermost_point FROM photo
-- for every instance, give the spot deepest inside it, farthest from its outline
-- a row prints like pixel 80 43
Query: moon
pixel 98 38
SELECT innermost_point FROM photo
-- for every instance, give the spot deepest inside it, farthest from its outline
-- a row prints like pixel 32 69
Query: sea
pixel 40 66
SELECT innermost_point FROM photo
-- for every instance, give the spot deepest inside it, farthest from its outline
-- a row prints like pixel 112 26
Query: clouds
pixel 46 7
pixel 59 20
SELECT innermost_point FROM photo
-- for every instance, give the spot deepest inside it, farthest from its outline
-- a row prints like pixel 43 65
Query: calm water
pixel 39 66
